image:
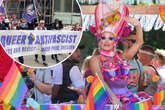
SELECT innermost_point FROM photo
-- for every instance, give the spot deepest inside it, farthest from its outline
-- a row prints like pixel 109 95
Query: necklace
pixel 113 66
pixel 108 53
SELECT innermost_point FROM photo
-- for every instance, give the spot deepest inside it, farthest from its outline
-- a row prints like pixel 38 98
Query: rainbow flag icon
pixel 97 96
pixel 13 89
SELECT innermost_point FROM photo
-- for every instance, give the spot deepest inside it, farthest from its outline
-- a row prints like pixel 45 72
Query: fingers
pixel 71 87
pixel 32 76
pixel 132 21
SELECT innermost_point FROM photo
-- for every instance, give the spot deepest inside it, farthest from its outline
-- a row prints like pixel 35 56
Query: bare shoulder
pixel 94 58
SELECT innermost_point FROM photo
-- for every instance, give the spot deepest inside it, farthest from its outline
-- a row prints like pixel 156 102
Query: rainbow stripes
pixel 144 105
pixel 13 89
pixel 59 107
pixel 162 12
pixel 97 96
pixel 159 98
pixel 71 107
pixel 41 107
pixel 97 100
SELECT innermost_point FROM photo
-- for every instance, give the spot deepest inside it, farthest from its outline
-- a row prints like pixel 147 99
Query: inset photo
pixel 40 33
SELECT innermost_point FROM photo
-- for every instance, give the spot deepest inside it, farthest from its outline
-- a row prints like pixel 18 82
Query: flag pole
pixel 100 81
pixel 36 11
pixel 5 8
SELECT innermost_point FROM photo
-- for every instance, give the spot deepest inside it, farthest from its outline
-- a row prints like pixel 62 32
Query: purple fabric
pixel 30 13
pixel 119 87
pixel 2 10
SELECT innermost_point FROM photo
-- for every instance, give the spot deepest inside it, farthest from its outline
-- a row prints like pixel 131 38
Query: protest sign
pixel 25 42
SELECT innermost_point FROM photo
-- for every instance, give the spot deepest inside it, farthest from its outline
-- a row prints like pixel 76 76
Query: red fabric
pixel 19 66
pixel 1 108
pixel 5 63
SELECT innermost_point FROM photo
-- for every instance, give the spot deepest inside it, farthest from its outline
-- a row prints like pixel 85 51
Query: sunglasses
pixel 131 40
pixel 110 38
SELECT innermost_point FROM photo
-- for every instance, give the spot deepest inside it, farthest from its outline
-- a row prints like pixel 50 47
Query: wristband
pixel 35 82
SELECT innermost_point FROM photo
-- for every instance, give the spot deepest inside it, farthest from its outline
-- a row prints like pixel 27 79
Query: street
pixel 30 60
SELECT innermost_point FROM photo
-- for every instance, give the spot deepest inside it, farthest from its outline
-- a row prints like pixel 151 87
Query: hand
pixel 32 76
pixel 132 21
pixel 79 90
pixel 115 101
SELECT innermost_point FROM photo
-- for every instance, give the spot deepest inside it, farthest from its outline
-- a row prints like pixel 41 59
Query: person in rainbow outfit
pixel 111 68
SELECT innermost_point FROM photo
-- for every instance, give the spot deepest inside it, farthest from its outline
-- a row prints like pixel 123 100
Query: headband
pixel 146 52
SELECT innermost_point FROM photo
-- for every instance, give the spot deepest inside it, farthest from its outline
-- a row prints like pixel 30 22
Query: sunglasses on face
pixel 131 40
pixel 110 38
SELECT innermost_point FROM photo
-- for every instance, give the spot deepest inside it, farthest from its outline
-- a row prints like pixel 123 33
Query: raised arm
pixel 130 53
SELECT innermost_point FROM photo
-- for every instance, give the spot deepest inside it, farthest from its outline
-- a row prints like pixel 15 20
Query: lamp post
pixel 72 12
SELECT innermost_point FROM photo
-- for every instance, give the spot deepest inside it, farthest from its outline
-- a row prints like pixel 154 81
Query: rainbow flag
pixel 71 107
pixel 97 96
pixel 162 12
pixel 13 89
pixel 144 105
pixel 159 98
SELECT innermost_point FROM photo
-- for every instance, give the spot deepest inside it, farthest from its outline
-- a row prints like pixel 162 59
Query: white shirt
pixel 57 74
pixel 161 72
pixel 76 77
pixel 44 28
pixel 51 76
pixel 43 76
pixel 74 73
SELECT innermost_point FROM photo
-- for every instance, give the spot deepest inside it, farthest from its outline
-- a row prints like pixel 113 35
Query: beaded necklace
pixel 113 66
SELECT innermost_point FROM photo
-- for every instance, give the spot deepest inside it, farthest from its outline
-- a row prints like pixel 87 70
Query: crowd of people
pixel 12 23
pixel 127 79
pixel 66 82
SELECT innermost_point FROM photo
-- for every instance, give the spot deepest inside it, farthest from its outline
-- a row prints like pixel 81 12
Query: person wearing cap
pixel 160 57
pixel 148 79
pixel 73 83
pixel 41 26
